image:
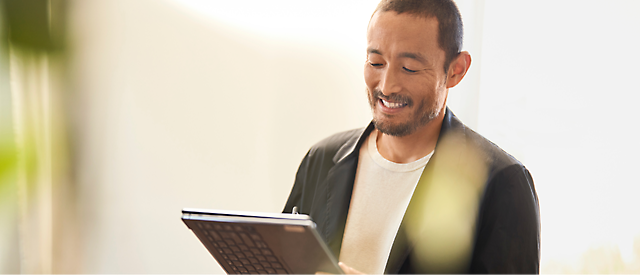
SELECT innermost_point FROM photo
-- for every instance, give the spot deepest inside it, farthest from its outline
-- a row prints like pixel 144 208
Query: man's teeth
pixel 392 104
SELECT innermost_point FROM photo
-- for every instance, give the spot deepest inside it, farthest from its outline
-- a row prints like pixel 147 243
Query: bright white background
pixel 212 104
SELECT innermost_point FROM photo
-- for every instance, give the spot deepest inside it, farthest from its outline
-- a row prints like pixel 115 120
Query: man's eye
pixel 375 64
pixel 408 70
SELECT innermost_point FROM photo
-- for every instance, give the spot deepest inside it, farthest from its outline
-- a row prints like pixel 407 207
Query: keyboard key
pixel 276 265
pixel 247 240
pixel 215 235
pixel 281 271
pixel 266 251
pixel 270 270
pixel 261 258
pixel 272 259
pixel 236 237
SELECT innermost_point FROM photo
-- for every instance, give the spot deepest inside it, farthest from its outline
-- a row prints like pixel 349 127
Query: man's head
pixel 450 30
pixel 412 61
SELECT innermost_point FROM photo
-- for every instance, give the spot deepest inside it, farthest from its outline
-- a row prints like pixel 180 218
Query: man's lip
pixel 392 105
pixel 387 110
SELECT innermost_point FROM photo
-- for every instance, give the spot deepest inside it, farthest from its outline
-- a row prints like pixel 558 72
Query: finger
pixel 348 270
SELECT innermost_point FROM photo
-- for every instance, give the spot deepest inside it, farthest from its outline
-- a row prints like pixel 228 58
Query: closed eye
pixel 408 70
pixel 375 64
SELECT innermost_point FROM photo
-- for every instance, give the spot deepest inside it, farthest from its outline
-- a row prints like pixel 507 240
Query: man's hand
pixel 347 269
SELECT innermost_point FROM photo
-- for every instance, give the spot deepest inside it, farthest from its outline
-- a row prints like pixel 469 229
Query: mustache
pixel 393 97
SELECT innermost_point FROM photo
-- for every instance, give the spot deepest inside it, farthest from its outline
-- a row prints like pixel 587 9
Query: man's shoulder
pixel 491 152
pixel 498 157
pixel 495 159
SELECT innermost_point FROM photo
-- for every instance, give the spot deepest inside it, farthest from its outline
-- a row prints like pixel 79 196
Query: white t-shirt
pixel 381 194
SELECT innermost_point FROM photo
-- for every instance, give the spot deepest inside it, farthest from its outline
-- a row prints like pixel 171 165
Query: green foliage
pixel 36 25
pixel 8 160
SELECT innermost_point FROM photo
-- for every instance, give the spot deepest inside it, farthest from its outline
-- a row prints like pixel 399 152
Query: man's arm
pixel 295 197
pixel 508 233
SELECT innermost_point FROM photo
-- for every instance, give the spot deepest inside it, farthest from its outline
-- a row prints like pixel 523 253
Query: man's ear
pixel 458 68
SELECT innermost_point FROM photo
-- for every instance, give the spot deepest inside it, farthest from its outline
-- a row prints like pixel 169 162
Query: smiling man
pixel 417 191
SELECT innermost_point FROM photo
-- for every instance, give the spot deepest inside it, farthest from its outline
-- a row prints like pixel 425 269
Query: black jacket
pixel 504 228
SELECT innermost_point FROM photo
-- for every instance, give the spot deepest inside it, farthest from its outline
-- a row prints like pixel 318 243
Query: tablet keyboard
pixel 242 248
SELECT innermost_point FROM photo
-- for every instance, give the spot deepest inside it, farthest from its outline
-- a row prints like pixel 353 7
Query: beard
pixel 424 113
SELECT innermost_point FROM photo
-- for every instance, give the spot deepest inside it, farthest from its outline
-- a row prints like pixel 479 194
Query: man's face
pixel 404 73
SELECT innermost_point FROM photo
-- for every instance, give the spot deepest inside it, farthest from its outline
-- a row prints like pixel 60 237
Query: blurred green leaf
pixel 34 24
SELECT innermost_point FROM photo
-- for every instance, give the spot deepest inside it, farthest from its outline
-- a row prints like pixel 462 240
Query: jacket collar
pixel 350 146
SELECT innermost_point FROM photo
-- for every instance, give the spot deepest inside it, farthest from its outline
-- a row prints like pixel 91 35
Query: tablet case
pixel 261 243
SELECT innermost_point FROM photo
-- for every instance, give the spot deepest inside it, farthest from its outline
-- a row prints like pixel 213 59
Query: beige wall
pixel 178 110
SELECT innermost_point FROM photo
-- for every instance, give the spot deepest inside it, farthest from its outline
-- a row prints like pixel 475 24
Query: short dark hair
pixel 445 11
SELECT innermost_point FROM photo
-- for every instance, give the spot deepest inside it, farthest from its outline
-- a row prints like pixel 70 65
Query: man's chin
pixel 394 129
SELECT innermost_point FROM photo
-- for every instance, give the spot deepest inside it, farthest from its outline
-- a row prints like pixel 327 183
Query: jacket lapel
pixel 337 194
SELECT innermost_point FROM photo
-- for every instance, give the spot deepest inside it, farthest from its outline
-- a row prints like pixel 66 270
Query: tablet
pixel 261 243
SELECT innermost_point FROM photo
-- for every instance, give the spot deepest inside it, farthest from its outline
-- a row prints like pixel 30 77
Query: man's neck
pixel 411 147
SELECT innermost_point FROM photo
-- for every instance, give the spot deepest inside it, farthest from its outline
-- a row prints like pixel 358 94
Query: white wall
pixel 176 109
pixel 558 90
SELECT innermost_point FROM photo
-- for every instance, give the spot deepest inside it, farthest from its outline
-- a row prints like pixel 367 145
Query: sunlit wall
pixel 212 104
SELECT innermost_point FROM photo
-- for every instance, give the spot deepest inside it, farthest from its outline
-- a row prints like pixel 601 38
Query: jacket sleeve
pixel 295 197
pixel 508 229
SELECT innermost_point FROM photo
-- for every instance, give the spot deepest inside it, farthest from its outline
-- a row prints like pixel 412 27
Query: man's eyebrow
pixel 372 50
pixel 416 56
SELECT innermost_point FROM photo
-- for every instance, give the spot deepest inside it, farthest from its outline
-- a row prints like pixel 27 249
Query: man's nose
pixel 390 84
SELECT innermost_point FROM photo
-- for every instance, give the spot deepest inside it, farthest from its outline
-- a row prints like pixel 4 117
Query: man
pixel 417 191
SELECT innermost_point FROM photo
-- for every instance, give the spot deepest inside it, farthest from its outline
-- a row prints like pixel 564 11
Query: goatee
pixel 419 118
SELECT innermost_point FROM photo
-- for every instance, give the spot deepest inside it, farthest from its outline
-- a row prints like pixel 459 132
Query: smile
pixel 393 105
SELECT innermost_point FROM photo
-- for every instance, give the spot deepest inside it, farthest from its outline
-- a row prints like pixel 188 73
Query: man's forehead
pixel 402 25
pixel 393 14
pixel 402 32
